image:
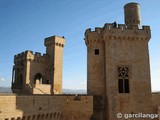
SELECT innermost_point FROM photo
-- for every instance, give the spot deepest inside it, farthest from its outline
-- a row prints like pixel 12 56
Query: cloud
pixel 83 83
pixel 2 80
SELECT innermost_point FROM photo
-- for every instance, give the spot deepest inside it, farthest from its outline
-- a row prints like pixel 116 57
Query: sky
pixel 25 23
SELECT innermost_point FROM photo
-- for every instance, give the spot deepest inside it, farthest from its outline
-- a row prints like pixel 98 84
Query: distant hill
pixel 74 91
pixel 5 90
pixel 65 91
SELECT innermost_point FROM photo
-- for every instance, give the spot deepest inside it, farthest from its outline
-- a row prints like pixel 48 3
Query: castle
pixel 39 74
pixel 118 78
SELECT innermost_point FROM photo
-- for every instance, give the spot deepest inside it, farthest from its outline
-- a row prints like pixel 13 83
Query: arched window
pixel 38 77
pixel 123 79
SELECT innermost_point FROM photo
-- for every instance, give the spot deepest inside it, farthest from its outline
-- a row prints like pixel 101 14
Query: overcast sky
pixel 25 23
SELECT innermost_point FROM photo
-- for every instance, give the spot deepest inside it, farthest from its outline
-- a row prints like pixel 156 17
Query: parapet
pixel 95 35
pixel 54 40
pixel 65 106
pixel 125 32
pixel 30 56
pixel 117 32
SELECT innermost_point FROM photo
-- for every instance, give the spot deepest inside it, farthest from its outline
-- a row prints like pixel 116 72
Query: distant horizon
pixel 8 90
pixel 76 89
pixel 62 88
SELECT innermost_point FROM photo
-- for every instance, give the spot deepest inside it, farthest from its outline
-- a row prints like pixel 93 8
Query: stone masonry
pixel 118 70
pixel 39 74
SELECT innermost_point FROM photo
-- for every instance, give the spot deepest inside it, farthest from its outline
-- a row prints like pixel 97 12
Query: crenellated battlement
pixel 123 32
pixel 95 35
pixel 54 40
pixel 123 28
pixel 117 32
pixel 120 27
pixel 97 31
pixel 30 56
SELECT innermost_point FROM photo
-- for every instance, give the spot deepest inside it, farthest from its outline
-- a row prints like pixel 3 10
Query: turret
pixel 132 14
pixel 54 49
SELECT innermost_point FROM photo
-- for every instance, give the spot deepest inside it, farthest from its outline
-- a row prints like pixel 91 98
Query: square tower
pixel 54 49
pixel 118 69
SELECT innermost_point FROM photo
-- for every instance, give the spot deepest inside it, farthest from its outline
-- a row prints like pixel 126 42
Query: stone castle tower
pixel 118 70
pixel 39 74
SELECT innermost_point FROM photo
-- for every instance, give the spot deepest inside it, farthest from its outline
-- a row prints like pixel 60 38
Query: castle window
pixel 123 79
pixel 18 118
pixel 23 118
pixel 38 79
pixel 96 51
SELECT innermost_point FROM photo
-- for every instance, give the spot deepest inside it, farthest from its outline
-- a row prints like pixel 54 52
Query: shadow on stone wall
pixel 50 107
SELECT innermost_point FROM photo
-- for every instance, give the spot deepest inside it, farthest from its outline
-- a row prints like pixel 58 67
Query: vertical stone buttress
pixel 118 67
pixel 54 48
pixel 96 70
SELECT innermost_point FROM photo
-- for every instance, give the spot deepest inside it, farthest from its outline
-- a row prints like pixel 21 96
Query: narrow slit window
pixel 96 51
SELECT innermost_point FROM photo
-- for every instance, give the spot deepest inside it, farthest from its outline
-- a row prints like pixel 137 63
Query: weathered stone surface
pixel 39 74
pixel 46 107
pixel 120 46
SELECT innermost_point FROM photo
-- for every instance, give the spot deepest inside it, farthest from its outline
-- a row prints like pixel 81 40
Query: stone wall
pixel 155 101
pixel 46 107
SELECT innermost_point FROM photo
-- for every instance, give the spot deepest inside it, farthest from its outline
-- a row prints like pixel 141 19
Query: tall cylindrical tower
pixel 132 14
